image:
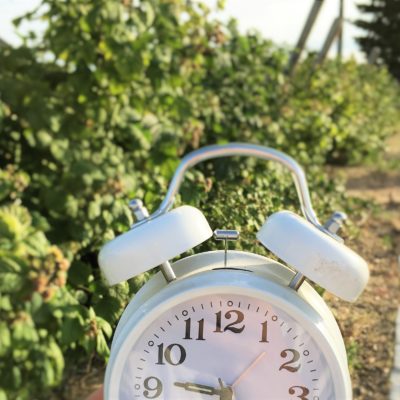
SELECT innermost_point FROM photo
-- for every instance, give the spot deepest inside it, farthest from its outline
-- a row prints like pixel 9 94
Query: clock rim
pixel 240 283
pixel 269 269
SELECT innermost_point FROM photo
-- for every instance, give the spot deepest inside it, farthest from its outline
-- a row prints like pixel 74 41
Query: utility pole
pixel 296 53
pixel 332 35
pixel 340 37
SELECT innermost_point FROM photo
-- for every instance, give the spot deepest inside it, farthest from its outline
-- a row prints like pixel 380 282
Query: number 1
pixel 264 333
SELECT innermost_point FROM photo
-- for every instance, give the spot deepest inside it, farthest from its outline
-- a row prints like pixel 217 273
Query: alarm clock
pixel 228 324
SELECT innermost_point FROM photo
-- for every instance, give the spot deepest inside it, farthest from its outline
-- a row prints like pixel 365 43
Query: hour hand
pixel 195 387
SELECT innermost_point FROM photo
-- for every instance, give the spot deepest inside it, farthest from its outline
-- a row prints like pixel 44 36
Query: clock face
pixel 226 347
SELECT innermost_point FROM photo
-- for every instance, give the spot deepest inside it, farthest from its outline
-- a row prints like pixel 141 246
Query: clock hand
pixel 195 387
pixel 226 392
pixel 247 370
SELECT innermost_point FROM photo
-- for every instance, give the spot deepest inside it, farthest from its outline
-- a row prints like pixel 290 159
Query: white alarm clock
pixel 230 324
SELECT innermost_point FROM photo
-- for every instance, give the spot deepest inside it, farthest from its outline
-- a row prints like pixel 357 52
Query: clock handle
pixel 242 149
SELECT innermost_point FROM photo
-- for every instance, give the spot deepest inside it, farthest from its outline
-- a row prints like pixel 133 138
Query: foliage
pixel 100 109
pixel 348 111
pixel 32 273
pixel 39 317
pixel 381 23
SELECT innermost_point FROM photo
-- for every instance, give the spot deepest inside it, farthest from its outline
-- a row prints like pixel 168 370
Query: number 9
pixel 151 388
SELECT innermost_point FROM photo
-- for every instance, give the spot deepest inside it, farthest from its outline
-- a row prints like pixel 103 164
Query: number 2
pixel 295 358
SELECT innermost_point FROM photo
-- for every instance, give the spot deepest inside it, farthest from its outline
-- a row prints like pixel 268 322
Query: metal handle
pixel 241 149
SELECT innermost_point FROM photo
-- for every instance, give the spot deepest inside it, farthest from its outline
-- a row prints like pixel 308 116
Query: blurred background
pixel 99 100
pixel 278 20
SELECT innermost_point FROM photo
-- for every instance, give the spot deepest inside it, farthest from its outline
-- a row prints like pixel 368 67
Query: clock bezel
pixel 240 283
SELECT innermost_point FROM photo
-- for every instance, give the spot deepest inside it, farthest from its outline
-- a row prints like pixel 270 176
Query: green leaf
pixel 71 330
pixel 104 326
pixel 3 394
pixel 48 376
pixel 55 354
pixel 102 346
pixel 11 282
pixel 5 339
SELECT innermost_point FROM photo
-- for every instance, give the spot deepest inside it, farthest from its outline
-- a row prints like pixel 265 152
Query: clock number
pixel 168 352
pixel 152 387
pixel 302 395
pixel 295 358
pixel 188 323
pixel 264 333
pixel 230 327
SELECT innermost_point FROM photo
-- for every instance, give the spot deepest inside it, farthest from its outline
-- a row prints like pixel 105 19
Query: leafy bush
pixel 99 110
pixel 31 275
pixel 353 108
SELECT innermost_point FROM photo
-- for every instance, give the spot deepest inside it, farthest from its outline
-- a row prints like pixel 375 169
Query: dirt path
pixel 369 325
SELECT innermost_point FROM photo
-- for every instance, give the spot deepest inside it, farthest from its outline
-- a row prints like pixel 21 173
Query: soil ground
pixel 369 324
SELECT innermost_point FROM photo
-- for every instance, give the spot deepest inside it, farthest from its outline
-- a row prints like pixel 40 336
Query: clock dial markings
pixel 223 319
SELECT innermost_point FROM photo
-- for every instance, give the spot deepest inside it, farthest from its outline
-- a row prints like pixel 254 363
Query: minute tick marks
pixel 206 332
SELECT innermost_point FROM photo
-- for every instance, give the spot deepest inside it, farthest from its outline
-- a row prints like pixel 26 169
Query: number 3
pixel 302 395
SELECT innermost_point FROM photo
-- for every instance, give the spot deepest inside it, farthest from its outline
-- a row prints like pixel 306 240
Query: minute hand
pixel 195 387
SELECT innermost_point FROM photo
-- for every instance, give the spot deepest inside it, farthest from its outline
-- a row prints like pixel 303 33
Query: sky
pixel 279 20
